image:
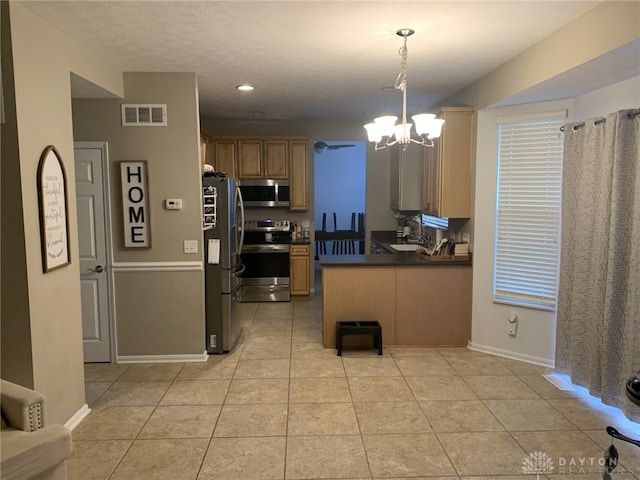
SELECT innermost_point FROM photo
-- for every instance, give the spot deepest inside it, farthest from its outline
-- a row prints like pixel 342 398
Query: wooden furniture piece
pixel 299 269
pixel 359 328
pixel 446 188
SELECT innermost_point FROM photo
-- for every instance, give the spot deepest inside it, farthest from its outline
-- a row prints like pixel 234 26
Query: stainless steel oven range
pixel 265 254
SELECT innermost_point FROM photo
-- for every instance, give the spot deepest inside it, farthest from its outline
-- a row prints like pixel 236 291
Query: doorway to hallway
pixel 340 185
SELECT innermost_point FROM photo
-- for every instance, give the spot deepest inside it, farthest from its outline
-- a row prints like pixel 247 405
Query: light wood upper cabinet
pixel 299 175
pixel 206 144
pixel 276 159
pixel 266 157
pixel 225 153
pixel 263 159
pixel 250 159
pixel 446 187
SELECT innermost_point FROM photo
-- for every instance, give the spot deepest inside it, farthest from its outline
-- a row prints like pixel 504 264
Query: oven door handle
pixel 277 248
pixel 238 270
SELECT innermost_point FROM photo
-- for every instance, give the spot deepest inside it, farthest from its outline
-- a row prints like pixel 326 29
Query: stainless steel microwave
pixel 265 192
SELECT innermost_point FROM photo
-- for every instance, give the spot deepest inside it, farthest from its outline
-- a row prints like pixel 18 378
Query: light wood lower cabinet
pixel 300 269
pixel 416 306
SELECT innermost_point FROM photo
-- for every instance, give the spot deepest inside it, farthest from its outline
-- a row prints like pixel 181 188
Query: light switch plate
pixel 190 246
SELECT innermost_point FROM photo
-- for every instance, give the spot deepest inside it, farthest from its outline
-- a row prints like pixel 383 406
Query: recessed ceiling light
pixel 245 88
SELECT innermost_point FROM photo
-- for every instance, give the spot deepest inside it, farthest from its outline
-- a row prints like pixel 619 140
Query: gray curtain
pixel 598 315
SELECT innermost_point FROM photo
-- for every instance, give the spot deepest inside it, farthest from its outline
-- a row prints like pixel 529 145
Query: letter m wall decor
pixel 135 205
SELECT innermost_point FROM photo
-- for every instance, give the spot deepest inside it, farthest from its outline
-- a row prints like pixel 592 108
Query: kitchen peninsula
pixel 418 302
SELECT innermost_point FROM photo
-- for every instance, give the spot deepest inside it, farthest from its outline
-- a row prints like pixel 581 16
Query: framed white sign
pixel 54 212
pixel 135 204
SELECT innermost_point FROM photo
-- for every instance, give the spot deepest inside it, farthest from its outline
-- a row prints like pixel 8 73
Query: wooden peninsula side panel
pixel 433 306
pixel 351 293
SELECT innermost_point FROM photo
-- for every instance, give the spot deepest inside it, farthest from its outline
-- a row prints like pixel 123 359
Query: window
pixel 528 212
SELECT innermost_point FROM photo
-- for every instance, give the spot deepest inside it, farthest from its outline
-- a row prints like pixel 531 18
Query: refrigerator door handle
pixel 241 203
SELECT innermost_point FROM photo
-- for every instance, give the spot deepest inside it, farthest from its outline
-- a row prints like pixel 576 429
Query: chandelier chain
pixel 401 81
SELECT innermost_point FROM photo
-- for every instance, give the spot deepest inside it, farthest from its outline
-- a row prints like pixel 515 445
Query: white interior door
pixel 95 274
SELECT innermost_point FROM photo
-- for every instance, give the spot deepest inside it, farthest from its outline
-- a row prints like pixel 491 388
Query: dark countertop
pixel 402 259
pixel 395 259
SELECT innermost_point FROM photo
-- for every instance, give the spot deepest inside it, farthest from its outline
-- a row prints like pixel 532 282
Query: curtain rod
pixel 599 121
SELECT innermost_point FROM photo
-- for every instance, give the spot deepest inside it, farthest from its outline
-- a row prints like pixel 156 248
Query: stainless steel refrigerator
pixel 223 222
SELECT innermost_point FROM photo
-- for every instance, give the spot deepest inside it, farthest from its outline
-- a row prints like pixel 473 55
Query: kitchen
pixel 411 190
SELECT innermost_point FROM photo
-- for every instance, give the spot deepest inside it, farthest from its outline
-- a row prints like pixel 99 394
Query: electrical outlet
pixel 512 324
pixel 465 237
pixel 190 246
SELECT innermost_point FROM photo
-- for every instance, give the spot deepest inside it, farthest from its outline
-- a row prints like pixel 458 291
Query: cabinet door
pixel 433 306
pixel 225 155
pixel 447 173
pixel 299 265
pixel 250 159
pixel 298 175
pixel 276 161
pixel 455 163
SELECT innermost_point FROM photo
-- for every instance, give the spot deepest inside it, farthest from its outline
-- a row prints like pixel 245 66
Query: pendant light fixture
pixel 383 129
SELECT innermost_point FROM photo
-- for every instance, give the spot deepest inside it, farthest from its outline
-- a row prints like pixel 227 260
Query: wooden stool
pixel 359 328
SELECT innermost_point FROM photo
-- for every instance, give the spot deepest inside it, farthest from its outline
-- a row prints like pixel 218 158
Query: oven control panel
pixel 267 225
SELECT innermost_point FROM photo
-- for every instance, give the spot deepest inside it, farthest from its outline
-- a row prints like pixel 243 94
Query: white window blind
pixel 528 212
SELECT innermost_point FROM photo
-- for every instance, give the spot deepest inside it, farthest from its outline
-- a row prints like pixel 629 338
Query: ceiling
pixel 310 59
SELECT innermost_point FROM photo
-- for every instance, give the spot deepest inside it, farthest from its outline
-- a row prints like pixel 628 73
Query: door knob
pixel 98 269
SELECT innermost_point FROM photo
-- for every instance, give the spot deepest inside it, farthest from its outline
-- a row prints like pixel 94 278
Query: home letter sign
pixel 135 204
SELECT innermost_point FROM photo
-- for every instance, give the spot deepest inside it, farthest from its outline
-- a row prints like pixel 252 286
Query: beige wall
pixel 159 307
pixel 602 29
pixel 42 61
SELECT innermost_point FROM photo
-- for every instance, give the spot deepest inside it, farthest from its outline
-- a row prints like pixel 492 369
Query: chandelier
pixel 383 129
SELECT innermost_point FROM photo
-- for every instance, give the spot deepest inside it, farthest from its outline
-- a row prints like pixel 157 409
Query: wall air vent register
pixel 136 115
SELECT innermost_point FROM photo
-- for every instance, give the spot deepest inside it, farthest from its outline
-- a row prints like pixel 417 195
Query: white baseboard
pixel 543 362
pixel 181 358
pixel 77 417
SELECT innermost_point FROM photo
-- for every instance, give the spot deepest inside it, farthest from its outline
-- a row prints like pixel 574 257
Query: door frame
pixel 106 197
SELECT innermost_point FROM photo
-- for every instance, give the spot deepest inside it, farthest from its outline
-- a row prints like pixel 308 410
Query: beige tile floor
pixel 282 407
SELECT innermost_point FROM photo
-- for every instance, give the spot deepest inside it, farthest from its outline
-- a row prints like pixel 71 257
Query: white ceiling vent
pixel 144 115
